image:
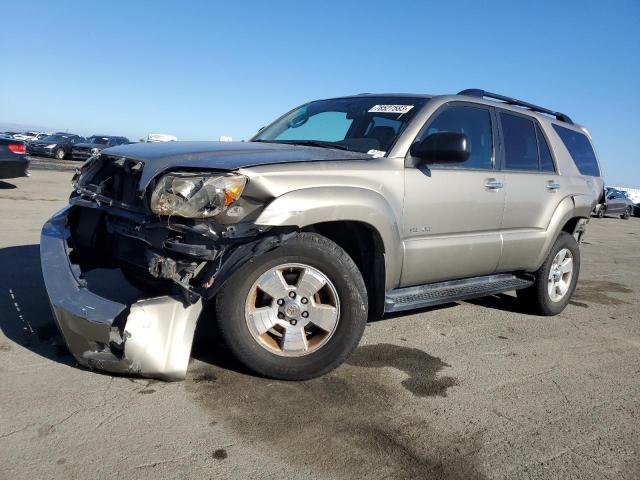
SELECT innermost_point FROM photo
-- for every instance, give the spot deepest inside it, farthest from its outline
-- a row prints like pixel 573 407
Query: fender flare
pixel 572 206
pixel 309 206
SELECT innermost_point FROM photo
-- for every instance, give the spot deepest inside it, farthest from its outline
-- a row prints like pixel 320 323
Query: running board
pixel 444 292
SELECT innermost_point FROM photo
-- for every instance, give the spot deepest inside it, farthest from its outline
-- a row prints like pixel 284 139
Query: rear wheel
pixel 556 279
pixel 626 214
pixel 295 312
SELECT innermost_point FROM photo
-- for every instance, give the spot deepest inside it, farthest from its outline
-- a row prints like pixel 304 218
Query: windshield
pixel 55 138
pixel 98 140
pixel 360 124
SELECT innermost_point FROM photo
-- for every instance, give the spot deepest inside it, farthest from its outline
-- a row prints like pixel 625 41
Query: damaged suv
pixel 339 211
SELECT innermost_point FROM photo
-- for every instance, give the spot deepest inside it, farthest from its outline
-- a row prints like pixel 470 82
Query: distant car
pixel 58 145
pixel 95 144
pixel 13 158
pixel 30 136
pixel 161 137
pixel 615 203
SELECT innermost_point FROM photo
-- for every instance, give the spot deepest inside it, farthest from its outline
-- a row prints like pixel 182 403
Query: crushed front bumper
pixel 151 337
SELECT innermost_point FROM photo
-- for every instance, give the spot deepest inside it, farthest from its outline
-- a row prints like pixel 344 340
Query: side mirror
pixel 442 147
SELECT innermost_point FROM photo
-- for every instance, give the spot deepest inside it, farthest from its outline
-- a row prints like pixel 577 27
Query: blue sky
pixel 204 69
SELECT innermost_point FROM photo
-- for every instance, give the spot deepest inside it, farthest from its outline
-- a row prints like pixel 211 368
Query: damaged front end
pixel 179 262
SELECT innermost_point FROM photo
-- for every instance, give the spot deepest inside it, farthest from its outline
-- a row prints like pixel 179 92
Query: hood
pixel 159 157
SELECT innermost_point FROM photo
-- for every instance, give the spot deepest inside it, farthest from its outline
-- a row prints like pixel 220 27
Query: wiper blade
pixel 313 143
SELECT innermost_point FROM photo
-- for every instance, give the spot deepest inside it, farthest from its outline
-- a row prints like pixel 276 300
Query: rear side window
pixel 520 143
pixel 580 150
pixel 546 160
pixel 475 123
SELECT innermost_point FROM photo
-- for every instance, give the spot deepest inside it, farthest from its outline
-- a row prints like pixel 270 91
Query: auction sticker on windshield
pixel 390 108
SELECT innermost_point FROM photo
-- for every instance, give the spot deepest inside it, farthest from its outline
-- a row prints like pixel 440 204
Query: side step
pixel 444 292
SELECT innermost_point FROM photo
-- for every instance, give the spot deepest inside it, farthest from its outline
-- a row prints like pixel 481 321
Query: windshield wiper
pixel 309 143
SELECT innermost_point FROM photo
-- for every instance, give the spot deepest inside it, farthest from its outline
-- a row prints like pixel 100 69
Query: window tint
pixel 520 145
pixel 475 123
pixel 580 149
pixel 546 160
pixel 324 126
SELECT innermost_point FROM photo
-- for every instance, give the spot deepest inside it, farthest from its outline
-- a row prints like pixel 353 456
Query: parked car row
pixel 63 145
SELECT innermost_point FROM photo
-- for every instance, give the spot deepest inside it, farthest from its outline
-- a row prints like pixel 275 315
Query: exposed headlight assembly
pixel 196 195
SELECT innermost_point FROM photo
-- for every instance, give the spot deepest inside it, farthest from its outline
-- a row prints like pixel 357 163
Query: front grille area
pixel 116 178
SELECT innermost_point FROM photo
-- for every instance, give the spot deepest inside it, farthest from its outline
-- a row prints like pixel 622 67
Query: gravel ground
pixel 470 390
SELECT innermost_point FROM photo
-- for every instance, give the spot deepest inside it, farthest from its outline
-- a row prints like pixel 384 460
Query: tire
pixel 60 154
pixel 537 298
pixel 265 353
pixel 145 283
pixel 626 214
pixel 601 212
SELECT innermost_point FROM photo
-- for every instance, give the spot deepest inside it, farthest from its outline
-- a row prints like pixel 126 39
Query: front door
pixel 453 213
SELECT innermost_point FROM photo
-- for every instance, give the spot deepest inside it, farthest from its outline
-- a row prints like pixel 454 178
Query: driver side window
pixel 475 123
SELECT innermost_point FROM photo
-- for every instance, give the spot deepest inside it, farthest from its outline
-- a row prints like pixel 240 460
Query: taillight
pixel 18 148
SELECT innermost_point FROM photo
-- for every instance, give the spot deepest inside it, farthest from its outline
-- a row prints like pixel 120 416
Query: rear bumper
pixel 151 337
pixel 14 168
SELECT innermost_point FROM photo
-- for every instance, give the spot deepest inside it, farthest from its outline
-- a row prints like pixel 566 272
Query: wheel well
pixel 570 226
pixel 364 245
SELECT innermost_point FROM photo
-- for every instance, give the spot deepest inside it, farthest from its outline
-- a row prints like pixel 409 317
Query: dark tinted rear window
pixel 580 149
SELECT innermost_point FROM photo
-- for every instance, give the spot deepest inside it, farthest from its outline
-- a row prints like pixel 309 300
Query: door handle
pixel 553 186
pixel 493 184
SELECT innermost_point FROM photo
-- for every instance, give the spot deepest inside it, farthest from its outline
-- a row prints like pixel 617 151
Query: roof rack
pixel 476 92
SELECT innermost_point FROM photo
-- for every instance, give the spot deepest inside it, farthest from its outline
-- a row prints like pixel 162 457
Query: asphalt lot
pixel 469 390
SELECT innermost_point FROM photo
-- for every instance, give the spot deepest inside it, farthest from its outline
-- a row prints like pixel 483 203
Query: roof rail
pixel 476 92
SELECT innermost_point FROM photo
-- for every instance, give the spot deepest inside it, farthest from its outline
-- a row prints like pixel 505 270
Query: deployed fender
pixel 574 206
pixel 310 206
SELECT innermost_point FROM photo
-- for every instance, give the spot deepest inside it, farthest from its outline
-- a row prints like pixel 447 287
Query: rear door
pixel 453 212
pixel 533 189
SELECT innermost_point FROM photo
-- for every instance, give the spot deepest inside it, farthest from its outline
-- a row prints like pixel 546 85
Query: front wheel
pixel 601 212
pixel 555 280
pixel 295 312
pixel 60 154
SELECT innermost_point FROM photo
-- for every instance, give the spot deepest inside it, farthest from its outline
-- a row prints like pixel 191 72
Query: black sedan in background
pixel 13 158
pixel 94 144
pixel 58 145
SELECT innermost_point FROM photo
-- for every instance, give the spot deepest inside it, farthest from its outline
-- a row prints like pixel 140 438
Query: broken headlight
pixel 195 195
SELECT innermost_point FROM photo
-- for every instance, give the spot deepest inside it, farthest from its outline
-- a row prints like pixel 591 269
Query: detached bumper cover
pixel 152 337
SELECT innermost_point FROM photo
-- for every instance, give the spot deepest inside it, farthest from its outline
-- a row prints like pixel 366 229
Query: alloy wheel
pixel 560 275
pixel 292 310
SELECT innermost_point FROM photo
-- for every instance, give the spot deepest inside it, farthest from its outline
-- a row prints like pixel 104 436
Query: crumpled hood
pixel 159 157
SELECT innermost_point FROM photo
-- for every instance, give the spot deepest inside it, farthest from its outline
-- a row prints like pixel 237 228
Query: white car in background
pixel 30 136
pixel 161 137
